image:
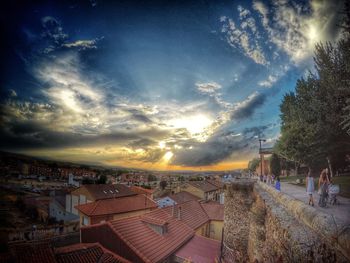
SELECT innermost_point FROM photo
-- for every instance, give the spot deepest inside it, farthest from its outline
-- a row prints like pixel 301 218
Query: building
pixel 141 190
pixel 92 192
pixel 113 208
pixel 153 237
pixel 45 252
pixel 57 209
pixel 183 196
pixel 206 189
pixel 206 219
pixel 177 198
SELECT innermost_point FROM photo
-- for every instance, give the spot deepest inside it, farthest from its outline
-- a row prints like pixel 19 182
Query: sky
pixel 162 85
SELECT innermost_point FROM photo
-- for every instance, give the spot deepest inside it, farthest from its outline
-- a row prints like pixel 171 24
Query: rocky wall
pixel 258 228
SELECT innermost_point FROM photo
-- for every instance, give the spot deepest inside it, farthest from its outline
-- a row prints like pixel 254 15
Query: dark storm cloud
pixel 33 135
pixel 247 108
pixel 213 151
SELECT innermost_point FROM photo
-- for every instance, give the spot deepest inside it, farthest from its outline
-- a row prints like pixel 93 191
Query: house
pixel 165 201
pixel 57 209
pixel 92 192
pixel 113 208
pixel 154 237
pixel 206 219
pixel 44 252
pixel 177 198
pixel 141 190
pixel 206 189
pixel 183 196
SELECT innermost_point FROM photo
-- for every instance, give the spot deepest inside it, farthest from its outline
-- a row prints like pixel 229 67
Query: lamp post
pixel 261 159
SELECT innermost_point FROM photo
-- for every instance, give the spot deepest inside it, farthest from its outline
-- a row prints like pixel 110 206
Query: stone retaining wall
pixel 263 225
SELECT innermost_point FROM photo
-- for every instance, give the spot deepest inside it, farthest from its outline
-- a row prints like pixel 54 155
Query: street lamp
pixel 261 159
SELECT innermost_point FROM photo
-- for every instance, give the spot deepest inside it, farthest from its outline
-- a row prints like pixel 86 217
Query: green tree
pixel 253 164
pixel 275 165
pixel 313 126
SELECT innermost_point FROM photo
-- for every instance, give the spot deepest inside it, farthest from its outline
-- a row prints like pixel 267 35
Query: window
pixel 85 221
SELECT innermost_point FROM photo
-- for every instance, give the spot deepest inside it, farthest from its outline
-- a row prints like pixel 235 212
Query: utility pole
pixel 261 157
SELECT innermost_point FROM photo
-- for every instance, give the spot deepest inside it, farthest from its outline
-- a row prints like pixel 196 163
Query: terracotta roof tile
pixel 203 185
pixel 217 183
pixel 117 205
pixel 148 244
pixel 32 252
pixel 105 191
pixel 139 237
pixel 192 213
pixel 214 210
pixel 152 220
pixel 141 190
pixel 183 196
pixel 87 253
pixel 200 250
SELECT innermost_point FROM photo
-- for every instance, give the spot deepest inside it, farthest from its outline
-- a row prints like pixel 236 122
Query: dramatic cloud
pixel 295 28
pixel 244 36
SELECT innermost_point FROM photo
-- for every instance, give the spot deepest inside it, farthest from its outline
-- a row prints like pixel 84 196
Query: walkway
pixel 340 211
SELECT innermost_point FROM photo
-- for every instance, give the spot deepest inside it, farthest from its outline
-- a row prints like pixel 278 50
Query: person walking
pixel 310 187
pixel 322 188
pixel 278 184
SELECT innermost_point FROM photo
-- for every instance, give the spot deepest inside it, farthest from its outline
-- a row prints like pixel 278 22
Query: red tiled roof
pixel 183 196
pixel 200 250
pixel 141 190
pixel 216 183
pixel 152 220
pixel 149 245
pixel 117 205
pixel 203 185
pixel 192 213
pixel 32 252
pixel 214 210
pixel 139 237
pixel 87 253
pixel 105 191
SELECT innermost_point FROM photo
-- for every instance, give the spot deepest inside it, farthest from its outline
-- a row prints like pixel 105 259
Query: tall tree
pixel 275 165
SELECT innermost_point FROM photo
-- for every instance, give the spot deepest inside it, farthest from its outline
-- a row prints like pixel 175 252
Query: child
pixel 278 185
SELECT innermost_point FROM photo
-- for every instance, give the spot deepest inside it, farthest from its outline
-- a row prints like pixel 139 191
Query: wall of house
pixel 58 212
pixel 193 190
pixel 263 225
pixel 103 218
pixel 203 230
pixel 216 229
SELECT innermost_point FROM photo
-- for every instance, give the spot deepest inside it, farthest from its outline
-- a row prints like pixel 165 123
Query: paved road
pixel 341 210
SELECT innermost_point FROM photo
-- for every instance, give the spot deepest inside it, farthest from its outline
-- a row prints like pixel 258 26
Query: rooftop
pixel 183 196
pixel 192 213
pixel 205 186
pixel 86 253
pixel 200 250
pixel 117 205
pixel 105 191
pixel 141 190
pixel 145 242
pixel 214 210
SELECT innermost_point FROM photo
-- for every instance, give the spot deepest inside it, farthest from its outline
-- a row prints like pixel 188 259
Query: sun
pixel 194 124
pixel 167 156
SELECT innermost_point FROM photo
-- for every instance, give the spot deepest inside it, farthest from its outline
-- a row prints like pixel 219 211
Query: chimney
pixel 179 213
